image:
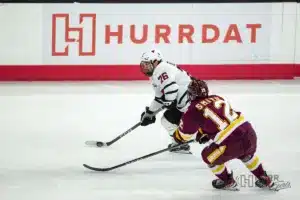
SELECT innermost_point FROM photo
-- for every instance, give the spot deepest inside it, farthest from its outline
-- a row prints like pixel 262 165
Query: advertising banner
pixel 186 33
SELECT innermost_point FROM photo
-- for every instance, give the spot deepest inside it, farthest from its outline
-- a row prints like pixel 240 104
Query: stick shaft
pixel 129 130
pixel 136 159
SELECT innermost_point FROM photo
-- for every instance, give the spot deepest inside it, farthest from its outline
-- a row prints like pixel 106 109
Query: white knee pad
pixel 170 128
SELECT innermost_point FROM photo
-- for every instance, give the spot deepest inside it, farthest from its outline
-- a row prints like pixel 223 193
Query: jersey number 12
pixel 228 113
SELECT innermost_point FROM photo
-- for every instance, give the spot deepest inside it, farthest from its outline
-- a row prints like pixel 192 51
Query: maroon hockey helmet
pixel 197 89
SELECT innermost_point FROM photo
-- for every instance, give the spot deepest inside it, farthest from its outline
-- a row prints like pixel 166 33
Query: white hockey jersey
pixel 170 83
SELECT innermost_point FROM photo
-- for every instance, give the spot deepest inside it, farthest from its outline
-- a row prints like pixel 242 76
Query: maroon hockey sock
pixel 259 171
pixel 255 166
pixel 221 172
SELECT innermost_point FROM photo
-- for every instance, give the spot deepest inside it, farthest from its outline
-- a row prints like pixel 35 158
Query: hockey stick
pixel 105 144
pixel 136 159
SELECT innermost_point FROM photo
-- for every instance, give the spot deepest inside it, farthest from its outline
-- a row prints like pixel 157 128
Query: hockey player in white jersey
pixel 170 86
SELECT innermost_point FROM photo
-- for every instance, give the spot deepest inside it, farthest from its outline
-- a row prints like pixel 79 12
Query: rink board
pixel 105 41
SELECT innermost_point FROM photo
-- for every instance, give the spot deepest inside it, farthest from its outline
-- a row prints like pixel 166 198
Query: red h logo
pixel 69 39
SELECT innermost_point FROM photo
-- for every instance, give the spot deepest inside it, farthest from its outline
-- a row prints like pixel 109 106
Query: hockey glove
pixel 147 117
pixel 202 138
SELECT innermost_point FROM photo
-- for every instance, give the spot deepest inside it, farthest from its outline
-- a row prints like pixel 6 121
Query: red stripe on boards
pixel 132 72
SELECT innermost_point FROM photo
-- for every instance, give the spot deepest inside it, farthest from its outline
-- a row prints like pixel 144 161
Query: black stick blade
pixel 96 169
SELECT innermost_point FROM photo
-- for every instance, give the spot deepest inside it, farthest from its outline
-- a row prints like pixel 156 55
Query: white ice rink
pixel 43 127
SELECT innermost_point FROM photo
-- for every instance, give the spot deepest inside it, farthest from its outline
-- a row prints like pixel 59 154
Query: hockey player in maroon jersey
pixel 210 117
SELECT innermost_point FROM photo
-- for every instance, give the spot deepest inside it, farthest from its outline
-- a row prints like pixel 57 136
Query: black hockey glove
pixel 202 138
pixel 147 117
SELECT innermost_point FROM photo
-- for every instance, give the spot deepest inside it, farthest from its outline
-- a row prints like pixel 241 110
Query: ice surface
pixel 43 127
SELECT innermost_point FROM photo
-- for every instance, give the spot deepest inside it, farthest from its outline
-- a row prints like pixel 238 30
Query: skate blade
pixel 272 189
pixel 232 188
pixel 182 152
pixel 235 189
pixel 277 187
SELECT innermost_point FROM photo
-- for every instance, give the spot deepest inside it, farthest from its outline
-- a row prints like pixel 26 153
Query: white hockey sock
pixel 170 128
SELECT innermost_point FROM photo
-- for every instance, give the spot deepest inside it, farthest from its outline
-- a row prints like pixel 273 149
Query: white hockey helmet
pixel 148 59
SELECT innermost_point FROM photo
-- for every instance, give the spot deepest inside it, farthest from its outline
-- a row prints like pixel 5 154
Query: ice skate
pixel 265 182
pixel 228 185
pixel 184 149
